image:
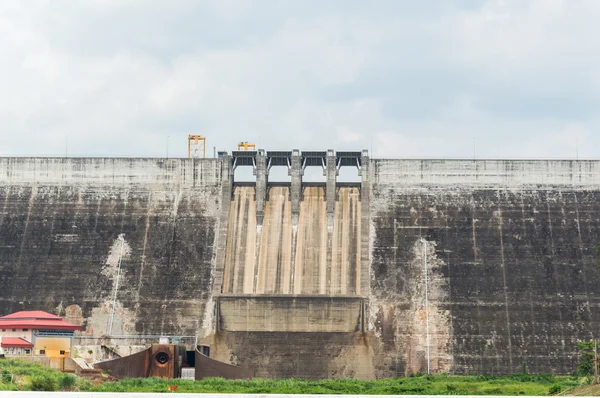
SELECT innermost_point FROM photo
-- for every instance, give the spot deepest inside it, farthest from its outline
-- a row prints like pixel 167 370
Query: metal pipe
pixel 426 304
pixel 114 304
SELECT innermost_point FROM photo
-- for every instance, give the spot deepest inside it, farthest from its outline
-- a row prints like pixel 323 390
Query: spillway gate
pixel 293 257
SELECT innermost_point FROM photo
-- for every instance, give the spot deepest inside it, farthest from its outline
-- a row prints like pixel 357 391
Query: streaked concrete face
pixel 60 220
pixel 505 251
pixel 280 258
pixel 511 263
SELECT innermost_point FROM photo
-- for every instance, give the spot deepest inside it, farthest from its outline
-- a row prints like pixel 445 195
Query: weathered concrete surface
pixel 507 249
pixel 512 269
pixel 263 313
pixel 261 259
pixel 60 220
pixel 300 355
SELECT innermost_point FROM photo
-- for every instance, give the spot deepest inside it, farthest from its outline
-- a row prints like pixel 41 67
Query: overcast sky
pixel 517 78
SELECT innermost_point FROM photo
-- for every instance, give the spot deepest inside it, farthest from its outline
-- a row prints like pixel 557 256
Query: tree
pixel 586 358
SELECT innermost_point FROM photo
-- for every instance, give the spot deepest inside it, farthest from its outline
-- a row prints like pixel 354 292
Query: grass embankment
pixel 589 390
pixel 22 375
pixel 434 385
pixel 17 374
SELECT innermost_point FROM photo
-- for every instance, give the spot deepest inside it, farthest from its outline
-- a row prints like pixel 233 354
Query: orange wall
pixel 53 346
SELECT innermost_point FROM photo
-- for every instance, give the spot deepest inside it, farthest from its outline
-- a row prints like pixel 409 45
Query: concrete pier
pixel 365 220
pixel 331 173
pixel 262 177
pixel 296 171
pixel 227 174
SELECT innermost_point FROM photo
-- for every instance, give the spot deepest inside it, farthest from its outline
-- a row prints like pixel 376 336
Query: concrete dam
pixel 459 266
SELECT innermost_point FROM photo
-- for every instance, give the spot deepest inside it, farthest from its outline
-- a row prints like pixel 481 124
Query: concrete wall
pixel 60 220
pixel 511 264
pixel 27 335
pixel 485 173
pixel 295 314
pixel 54 363
pixel 315 355
pixel 507 249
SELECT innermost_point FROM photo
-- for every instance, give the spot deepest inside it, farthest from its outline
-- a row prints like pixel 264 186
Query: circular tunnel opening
pixel 162 358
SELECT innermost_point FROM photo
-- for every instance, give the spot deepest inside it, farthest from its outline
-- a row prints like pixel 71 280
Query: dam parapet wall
pixel 482 173
pixel 147 172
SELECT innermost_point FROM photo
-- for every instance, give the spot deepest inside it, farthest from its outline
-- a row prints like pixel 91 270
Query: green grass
pixel 28 376
pixel 32 376
pixel 434 385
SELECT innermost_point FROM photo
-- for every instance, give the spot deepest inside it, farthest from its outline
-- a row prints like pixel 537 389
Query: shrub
pixel 43 383
pixel 585 366
pixel 555 389
pixel 66 381
pixel 494 391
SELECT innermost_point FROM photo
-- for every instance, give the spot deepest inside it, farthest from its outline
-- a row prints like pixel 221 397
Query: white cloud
pixel 119 78
pixel 571 141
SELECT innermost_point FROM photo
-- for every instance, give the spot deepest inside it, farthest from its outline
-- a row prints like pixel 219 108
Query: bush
pixel 66 382
pixel 43 383
pixel 494 391
pixel 7 378
pixel 555 389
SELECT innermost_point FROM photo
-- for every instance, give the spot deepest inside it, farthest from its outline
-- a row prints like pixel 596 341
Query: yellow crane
pixel 196 146
pixel 246 146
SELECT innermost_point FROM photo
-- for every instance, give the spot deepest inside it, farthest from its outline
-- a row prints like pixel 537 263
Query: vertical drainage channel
pixel 426 304
pixel 114 303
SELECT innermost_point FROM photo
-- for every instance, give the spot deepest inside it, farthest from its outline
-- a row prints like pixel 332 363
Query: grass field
pixel 435 385
pixel 21 375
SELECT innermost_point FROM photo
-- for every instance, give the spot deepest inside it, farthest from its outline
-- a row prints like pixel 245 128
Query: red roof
pixel 35 320
pixel 31 315
pixel 15 342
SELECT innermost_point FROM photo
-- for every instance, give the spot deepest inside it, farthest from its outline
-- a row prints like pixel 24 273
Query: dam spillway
pixel 279 257
pixel 313 280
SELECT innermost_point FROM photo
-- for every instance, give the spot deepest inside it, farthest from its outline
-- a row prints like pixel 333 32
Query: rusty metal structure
pixel 160 360
pixel 246 146
pixel 196 146
pixel 167 360
pixel 208 367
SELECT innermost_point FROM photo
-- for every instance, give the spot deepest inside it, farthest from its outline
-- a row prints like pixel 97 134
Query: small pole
pixel 595 361
pixel 67 145
pixel 426 304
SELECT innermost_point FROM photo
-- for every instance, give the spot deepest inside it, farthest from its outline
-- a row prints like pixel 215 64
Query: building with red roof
pixel 36 333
